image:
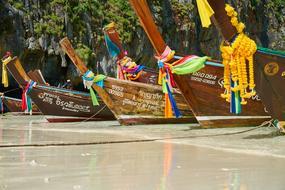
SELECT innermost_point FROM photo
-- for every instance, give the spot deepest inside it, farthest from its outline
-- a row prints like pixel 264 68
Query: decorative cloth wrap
pixel 88 80
pixel 26 100
pixel 184 65
pixel 130 69
pixel 5 79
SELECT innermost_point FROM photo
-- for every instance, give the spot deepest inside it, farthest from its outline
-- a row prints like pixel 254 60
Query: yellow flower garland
pixel 234 60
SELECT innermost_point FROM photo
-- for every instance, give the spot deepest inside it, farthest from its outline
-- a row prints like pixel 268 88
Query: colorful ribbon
pixel 167 82
pixel 235 100
pixel 88 80
pixel 184 65
pixel 5 79
pixel 113 49
pixel 130 69
pixel 26 100
pixel 205 12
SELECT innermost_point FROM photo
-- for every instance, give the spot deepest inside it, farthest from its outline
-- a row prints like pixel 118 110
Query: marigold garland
pixel 235 56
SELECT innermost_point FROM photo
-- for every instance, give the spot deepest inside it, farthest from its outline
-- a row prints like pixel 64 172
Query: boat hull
pixel 70 106
pixel 15 106
pixel 60 102
pixel 202 91
pixel 138 103
pixel 269 78
pixel 133 102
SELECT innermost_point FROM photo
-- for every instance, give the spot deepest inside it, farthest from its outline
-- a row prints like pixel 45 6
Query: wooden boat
pixel 60 105
pixel 202 89
pixel 148 76
pixel 269 66
pixel 37 76
pixel 132 102
pixel 14 106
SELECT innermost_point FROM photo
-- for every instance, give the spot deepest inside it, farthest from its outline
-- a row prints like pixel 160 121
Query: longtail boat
pixel 14 106
pixel 132 102
pixel 59 104
pixel 202 89
pixel 37 76
pixel 146 75
pixel 269 65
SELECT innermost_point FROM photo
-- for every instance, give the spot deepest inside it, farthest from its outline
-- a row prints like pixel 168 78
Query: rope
pixel 269 123
pixel 94 115
pixel 7 91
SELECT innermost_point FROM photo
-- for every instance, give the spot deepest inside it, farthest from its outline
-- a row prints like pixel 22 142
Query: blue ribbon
pixel 160 64
pixel 113 49
pixel 1 105
pixel 173 103
pixel 235 101
pixel 85 76
pixel 100 83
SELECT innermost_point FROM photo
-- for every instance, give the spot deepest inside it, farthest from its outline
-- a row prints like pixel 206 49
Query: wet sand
pixel 35 154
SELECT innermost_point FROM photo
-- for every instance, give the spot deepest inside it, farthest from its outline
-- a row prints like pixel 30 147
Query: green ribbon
pixel 98 79
pixel 93 97
pixel 164 87
pixel 189 67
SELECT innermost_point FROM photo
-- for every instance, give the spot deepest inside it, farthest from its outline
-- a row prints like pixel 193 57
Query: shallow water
pixel 35 154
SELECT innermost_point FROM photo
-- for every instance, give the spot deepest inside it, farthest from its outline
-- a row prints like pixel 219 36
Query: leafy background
pixel 31 30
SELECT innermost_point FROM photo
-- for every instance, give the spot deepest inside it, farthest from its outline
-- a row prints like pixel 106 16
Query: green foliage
pixel 182 12
pixel 277 8
pixel 48 17
pixel 83 52
pixel 18 4
pixel 120 12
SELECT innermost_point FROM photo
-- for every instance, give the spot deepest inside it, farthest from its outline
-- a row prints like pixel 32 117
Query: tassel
pixel 93 97
pixel 173 103
pixel 29 105
pixel 24 97
pixel 167 110
pixel 235 100
pixel 26 100
pixel 164 88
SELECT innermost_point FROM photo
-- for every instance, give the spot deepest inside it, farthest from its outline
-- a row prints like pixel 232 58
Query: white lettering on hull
pixel 64 105
pixel 143 100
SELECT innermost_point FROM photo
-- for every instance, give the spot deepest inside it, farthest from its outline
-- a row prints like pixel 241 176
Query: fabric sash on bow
pixel 88 79
pixel 5 79
pixel 26 100
pixel 166 80
pixel 130 69
pixel 184 65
